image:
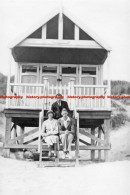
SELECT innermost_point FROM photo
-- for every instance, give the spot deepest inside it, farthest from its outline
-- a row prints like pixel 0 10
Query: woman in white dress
pixel 50 133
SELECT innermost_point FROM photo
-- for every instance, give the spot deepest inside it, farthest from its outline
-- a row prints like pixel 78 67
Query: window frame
pixel 48 74
pixel 31 73
pixel 87 75
pixel 70 75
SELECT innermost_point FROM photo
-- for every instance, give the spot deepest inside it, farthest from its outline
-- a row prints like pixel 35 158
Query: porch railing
pixel 19 93
pixel 91 97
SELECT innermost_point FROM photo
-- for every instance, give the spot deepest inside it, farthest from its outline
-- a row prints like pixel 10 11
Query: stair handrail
pixel 41 116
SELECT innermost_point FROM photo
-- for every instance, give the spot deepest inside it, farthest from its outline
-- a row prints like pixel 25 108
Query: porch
pixel 39 96
pixel 91 115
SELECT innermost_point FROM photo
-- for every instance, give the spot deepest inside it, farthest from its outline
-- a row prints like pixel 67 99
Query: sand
pixel 24 178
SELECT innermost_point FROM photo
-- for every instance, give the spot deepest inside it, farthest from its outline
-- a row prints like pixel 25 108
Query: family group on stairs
pixel 59 127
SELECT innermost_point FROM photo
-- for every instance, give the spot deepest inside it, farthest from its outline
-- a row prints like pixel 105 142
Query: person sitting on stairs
pixel 66 133
pixel 50 133
pixel 58 106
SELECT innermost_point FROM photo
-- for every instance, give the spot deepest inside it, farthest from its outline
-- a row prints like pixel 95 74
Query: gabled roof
pixel 53 13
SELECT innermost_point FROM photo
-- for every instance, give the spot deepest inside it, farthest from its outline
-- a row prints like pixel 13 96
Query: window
pixel 37 34
pixel 89 70
pixel 83 35
pixel 29 69
pixel 49 69
pixel 88 75
pixel 68 70
pixel 52 28
pixel 29 74
pixel 68 28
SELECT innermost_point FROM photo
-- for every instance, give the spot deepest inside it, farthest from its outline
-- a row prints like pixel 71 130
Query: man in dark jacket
pixel 58 106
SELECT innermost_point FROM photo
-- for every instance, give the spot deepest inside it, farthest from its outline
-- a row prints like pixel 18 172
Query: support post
pixel 92 143
pixel 21 133
pixel 77 141
pixel 16 73
pixel 40 141
pixel 107 138
pixel 109 80
pixel 6 152
pixel 99 136
pixel 8 79
pixel 14 132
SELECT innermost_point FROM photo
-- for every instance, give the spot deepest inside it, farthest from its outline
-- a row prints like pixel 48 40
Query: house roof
pixel 53 13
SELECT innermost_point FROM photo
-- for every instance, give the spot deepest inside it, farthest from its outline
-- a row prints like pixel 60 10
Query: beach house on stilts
pixel 59 54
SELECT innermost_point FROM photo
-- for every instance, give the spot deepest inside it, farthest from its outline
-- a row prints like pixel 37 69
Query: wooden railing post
pixel 69 93
pixel 72 93
pixel 46 90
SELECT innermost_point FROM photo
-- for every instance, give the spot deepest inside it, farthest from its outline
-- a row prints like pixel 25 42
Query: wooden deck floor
pixel 30 117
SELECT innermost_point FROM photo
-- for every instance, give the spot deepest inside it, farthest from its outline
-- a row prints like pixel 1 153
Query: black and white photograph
pixel 64 97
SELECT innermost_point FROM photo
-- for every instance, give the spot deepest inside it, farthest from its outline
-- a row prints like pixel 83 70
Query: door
pixel 51 72
pixel 59 74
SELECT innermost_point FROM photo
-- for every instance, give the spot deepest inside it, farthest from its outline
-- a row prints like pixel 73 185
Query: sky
pixel 109 19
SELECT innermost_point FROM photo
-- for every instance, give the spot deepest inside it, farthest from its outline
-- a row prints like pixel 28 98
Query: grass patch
pixel 119 115
pixel 119 119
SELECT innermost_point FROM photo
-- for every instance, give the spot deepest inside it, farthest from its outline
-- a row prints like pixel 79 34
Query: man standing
pixel 66 132
pixel 58 106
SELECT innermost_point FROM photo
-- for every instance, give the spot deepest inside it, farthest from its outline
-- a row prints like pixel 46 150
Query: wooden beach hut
pixel 59 54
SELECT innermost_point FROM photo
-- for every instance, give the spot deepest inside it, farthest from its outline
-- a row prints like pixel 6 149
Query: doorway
pixel 59 74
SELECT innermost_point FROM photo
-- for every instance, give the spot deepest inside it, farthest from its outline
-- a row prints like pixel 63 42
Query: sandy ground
pixel 120 143
pixel 23 178
pixel 120 140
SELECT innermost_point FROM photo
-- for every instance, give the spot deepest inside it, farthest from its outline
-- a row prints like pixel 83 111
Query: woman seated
pixel 50 133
